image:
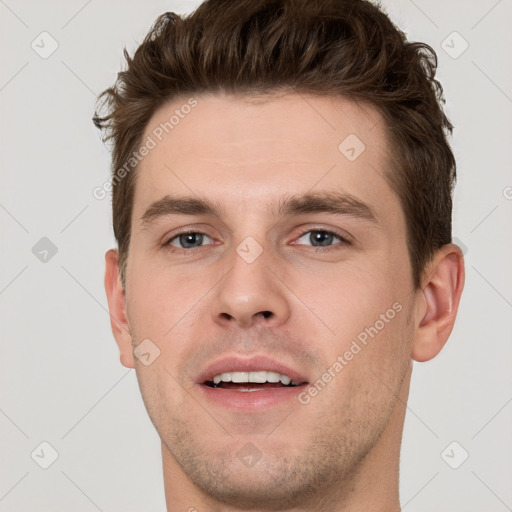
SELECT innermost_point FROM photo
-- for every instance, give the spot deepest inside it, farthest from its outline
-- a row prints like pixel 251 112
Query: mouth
pixel 249 384
pixel 259 380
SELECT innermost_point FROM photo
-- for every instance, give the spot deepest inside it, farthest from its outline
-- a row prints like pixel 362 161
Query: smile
pixel 251 381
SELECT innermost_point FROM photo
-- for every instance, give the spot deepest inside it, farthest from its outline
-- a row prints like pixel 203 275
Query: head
pixel 302 146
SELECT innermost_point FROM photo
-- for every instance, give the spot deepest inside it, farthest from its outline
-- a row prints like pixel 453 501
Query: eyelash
pixel 343 240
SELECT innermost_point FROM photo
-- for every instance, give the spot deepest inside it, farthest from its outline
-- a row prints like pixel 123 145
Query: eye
pixel 188 240
pixel 320 238
pixel 316 238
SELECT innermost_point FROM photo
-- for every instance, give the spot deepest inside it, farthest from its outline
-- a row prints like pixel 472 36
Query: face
pixel 266 244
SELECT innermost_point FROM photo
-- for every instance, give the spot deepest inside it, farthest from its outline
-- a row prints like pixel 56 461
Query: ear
pixel 438 302
pixel 117 307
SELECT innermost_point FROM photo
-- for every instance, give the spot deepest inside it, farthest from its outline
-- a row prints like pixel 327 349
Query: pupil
pixel 191 239
pixel 321 237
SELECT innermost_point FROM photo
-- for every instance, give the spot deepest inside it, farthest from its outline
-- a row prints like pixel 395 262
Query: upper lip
pixel 238 363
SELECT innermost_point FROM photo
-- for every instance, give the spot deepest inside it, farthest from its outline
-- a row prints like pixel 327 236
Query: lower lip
pixel 247 401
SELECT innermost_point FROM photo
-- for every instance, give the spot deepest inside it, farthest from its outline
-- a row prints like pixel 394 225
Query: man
pixel 282 206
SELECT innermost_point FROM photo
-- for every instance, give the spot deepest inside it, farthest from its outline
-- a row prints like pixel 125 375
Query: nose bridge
pixel 250 292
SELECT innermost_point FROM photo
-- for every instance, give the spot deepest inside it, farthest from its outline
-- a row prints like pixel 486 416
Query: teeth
pixel 259 377
pixel 273 376
pixel 285 379
pixel 224 377
pixel 240 377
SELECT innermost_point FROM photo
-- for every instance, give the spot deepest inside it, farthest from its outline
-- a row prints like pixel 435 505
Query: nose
pixel 250 293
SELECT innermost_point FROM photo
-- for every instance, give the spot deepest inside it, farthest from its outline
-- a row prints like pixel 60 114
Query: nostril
pixel 264 314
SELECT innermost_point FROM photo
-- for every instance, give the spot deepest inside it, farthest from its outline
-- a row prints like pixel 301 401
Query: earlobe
pixel 438 302
pixel 117 309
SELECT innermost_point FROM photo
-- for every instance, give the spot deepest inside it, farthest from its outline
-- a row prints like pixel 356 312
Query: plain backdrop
pixel 61 382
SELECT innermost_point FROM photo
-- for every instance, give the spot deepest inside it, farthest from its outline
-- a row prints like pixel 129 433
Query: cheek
pixel 352 297
pixel 367 313
pixel 163 300
pixel 372 358
pixel 161 392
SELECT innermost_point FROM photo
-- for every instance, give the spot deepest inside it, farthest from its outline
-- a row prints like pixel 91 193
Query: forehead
pixel 245 150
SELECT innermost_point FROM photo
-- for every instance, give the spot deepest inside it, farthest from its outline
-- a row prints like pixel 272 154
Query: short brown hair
pixel 348 48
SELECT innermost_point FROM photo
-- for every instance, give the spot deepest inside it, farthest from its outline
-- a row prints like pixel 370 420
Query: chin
pixel 247 478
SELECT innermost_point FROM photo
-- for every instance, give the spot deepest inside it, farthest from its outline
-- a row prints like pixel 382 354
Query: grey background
pixel 60 377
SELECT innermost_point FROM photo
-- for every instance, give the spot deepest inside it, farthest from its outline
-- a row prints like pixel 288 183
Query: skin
pixel 340 451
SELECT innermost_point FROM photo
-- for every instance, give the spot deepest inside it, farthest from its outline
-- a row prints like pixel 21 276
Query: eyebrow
pixel 320 202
